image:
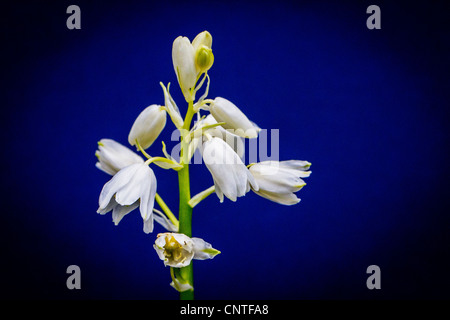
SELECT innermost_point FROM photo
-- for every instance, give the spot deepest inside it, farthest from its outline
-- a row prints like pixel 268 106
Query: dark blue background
pixel 368 108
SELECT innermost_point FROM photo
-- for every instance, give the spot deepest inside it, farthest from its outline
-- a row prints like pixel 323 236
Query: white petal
pixel 203 250
pixel 120 211
pixel 231 176
pixel 183 58
pixel 160 249
pixel 219 192
pixel 252 181
pixel 225 111
pixel 295 167
pixel 148 225
pixel 202 39
pixel 117 182
pixel 276 180
pixel 113 156
pixel 184 240
pixel 296 164
pixel 160 242
pixel 148 201
pixel 147 126
pixel 132 191
pixel 112 203
pixel 105 168
pixel 281 198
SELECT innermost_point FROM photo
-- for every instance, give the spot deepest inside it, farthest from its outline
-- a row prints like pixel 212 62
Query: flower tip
pixel 203 38
pixel 211 251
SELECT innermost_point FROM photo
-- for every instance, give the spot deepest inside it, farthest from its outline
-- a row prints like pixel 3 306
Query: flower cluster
pixel 219 136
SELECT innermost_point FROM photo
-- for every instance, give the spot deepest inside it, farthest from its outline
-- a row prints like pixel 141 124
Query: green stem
pixel 185 215
pixel 185 221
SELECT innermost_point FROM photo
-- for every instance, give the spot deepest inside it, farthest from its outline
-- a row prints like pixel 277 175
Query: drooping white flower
pixel 133 186
pixel 231 176
pixel 113 156
pixel 278 180
pixel 225 111
pixel 147 126
pixel 190 60
pixel 177 250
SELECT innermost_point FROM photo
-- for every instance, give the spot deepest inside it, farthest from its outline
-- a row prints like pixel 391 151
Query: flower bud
pixel 204 59
pixel 183 57
pixel 225 111
pixel 147 126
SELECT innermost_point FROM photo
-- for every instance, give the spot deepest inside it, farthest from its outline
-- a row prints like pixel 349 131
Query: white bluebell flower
pixel 133 186
pixel 278 180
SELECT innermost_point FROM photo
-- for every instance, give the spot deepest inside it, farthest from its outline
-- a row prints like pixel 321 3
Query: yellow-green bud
pixel 204 59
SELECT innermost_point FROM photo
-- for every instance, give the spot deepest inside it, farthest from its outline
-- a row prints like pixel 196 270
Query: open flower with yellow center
pixel 177 250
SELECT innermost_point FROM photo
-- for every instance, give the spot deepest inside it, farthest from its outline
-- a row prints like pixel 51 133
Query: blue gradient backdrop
pixel 368 108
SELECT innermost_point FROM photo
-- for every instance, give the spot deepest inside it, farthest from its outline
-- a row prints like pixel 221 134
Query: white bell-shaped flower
pixel 225 111
pixel 231 176
pixel 147 126
pixel 278 180
pixel 113 156
pixel 177 250
pixel 129 188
